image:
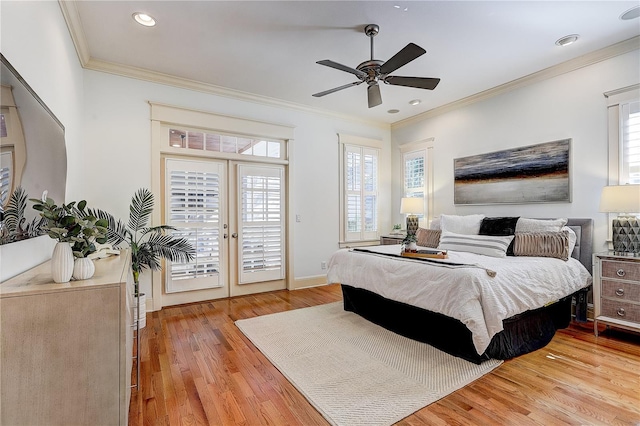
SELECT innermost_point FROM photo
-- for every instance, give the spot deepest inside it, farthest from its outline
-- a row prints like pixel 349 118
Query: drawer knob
pixel 620 292
pixel 620 272
pixel 621 312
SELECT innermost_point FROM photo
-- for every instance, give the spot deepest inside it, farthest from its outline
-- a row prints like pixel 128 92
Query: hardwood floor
pixel 199 369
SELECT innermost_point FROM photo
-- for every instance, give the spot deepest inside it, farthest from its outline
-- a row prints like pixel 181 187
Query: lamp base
pixel 626 235
pixel 412 224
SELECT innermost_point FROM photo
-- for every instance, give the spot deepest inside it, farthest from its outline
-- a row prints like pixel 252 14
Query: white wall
pixel 108 133
pixel 571 105
pixel 115 156
pixel 35 40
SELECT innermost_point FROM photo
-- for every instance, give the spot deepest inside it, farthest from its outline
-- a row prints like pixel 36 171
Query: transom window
pixel 215 142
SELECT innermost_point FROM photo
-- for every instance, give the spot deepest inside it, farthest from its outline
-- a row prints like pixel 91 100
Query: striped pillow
pixel 428 237
pixel 542 244
pixel 488 245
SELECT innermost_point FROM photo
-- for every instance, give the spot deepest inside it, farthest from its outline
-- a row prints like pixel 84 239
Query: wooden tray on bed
pixel 433 254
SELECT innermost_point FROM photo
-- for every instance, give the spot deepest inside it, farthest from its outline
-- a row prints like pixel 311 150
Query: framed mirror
pixel 32 143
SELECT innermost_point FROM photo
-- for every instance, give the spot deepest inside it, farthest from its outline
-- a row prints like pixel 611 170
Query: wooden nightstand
pixel 391 239
pixel 616 291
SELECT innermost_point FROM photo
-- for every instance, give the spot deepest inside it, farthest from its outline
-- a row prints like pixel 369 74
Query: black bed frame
pixel 522 333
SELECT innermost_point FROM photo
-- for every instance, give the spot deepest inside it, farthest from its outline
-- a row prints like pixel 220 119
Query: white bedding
pixel 468 294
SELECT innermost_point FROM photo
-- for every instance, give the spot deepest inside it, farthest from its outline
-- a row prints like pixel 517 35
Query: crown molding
pixel 185 83
pixel 603 54
pixel 72 18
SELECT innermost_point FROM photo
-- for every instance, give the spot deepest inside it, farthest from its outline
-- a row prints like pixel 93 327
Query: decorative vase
pixel 83 268
pixel 412 246
pixel 62 262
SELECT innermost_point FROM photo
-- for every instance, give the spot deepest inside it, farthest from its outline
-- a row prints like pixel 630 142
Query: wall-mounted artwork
pixel 531 174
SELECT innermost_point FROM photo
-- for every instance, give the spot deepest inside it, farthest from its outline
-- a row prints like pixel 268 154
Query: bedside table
pixel 391 239
pixel 616 291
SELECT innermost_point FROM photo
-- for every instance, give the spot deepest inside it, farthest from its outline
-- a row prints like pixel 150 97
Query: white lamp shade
pixel 620 199
pixel 414 205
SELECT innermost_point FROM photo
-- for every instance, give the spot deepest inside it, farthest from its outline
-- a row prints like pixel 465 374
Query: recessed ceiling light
pixel 567 40
pixel 415 102
pixel 393 111
pixel 144 19
pixel 632 13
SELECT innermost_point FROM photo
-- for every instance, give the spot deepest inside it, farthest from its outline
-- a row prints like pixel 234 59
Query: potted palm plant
pixel 148 244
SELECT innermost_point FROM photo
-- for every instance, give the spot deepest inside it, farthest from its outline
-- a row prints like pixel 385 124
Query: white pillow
pixel 488 245
pixel 435 224
pixel 469 224
pixel 540 225
pixel 573 238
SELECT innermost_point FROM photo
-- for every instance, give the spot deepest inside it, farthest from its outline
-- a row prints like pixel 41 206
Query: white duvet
pixel 469 294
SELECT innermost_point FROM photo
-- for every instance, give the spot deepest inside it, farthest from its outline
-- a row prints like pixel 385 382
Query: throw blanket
pixel 468 294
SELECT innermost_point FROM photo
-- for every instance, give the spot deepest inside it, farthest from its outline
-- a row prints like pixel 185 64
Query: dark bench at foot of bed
pixel 522 333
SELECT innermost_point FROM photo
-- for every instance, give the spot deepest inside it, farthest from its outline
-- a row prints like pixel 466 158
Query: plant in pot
pixel 148 244
pixel 409 243
pixel 67 223
pixel 94 231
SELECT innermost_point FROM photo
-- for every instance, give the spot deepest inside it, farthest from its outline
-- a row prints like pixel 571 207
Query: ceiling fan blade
pixel 328 63
pixel 373 95
pixel 326 92
pixel 419 82
pixel 407 54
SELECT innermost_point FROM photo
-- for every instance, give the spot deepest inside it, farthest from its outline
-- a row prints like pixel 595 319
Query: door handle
pixel 234 235
pixel 225 236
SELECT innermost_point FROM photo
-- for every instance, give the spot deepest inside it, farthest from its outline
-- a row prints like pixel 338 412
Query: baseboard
pixel 308 282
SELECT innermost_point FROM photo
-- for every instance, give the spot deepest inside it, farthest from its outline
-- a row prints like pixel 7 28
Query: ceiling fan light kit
pixel 373 71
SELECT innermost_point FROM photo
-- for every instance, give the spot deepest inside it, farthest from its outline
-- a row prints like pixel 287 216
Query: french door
pixel 233 213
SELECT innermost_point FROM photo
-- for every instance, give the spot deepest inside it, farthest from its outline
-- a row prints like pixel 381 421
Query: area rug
pixel 353 371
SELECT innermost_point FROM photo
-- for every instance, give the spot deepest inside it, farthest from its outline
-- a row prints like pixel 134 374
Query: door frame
pixel 162 116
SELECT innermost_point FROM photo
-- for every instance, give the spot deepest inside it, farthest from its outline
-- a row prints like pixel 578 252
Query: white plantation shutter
pixel 630 143
pixel 261 214
pixel 361 193
pixel 193 207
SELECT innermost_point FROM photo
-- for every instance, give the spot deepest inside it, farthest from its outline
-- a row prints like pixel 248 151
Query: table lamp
pixel 624 200
pixel 412 206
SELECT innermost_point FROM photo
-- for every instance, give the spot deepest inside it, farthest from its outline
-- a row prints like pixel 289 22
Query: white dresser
pixel 67 348
pixel 616 291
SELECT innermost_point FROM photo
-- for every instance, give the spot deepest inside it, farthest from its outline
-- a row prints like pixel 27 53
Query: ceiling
pixel 270 48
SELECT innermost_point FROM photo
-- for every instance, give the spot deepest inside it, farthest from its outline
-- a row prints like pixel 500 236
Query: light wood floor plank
pixel 199 369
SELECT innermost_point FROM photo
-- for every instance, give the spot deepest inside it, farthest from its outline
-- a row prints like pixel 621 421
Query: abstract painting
pixel 531 174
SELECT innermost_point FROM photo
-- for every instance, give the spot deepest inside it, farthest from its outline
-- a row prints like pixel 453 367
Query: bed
pixel 462 309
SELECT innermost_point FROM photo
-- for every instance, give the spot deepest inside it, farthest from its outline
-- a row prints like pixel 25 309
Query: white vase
pixel 62 262
pixel 83 268
pixel 412 246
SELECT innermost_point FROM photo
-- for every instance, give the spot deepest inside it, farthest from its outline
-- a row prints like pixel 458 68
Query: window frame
pixel 370 146
pixel 425 146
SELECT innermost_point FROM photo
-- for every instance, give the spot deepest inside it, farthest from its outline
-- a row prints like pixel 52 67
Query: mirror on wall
pixel 33 155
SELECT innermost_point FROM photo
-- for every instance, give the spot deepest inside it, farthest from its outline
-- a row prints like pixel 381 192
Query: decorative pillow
pixel 469 224
pixel 540 225
pixel 488 245
pixel 435 224
pixel 542 244
pixel 428 237
pixel 573 238
pixel 501 226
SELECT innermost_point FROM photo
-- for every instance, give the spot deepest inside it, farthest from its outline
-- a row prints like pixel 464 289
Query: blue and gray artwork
pixel 531 174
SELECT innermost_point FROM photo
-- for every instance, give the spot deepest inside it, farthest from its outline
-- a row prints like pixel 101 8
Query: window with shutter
pixel 360 193
pixel 630 142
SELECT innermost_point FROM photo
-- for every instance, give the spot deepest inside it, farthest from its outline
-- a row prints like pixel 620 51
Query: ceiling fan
pixel 374 71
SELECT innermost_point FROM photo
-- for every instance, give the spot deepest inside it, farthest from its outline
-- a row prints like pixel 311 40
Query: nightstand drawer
pixel 621 290
pixel 621 310
pixel 621 270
